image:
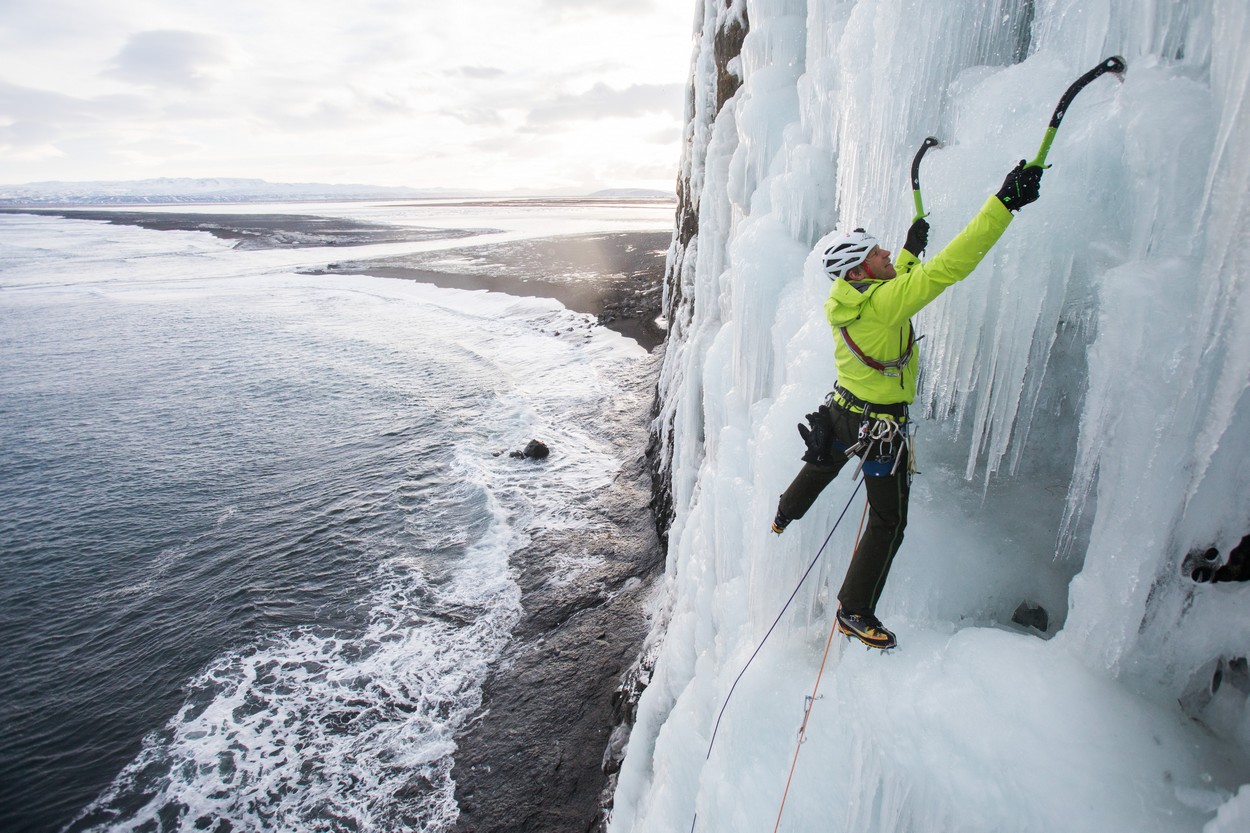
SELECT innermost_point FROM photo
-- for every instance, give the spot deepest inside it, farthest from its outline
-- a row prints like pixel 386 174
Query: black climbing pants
pixel 887 515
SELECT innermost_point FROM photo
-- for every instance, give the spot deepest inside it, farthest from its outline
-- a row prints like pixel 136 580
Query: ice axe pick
pixel 930 142
pixel 1114 65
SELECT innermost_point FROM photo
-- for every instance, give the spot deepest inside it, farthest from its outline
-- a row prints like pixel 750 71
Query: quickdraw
pixel 890 439
pixel 881 440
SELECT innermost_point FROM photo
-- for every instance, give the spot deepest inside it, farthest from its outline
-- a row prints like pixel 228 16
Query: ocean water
pixel 256 525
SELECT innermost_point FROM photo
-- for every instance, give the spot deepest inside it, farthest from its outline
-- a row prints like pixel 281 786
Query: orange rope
pixel 811 702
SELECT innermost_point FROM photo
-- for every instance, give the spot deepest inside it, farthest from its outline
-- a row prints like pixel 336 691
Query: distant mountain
pixel 172 191
pixel 635 193
pixel 167 191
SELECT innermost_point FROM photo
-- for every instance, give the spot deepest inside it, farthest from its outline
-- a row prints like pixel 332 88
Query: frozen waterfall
pixel 1084 424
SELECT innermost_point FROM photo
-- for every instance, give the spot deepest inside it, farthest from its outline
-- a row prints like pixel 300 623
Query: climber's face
pixel 878 265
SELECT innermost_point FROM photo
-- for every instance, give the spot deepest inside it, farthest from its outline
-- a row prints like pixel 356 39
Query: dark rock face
pixel 534 759
pixel 1031 615
pixel 1237 567
pixel 1204 565
pixel 727 46
pixel 724 33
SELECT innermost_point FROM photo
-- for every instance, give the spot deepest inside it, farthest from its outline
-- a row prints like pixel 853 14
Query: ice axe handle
pixel 930 142
pixel 1115 65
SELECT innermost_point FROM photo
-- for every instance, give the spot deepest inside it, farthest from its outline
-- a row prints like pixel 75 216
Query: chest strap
pixel 892 368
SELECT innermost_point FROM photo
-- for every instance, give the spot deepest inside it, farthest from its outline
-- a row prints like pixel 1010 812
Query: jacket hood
pixel 845 300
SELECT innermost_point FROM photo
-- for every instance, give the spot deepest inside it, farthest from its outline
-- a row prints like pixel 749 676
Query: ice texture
pixel 1083 426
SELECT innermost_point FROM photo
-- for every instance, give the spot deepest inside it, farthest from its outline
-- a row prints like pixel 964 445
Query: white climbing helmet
pixel 848 251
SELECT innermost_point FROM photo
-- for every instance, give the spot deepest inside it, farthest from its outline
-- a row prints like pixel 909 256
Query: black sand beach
pixel 615 277
pixel 259 231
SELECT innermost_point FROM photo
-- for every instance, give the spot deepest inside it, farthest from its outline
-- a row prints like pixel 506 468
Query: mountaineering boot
pixel 866 628
pixel 780 523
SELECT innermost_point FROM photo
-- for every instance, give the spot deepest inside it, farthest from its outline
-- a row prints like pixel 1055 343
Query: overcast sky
pixel 482 94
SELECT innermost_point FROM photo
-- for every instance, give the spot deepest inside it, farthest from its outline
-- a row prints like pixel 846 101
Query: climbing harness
pixel 884 437
pixel 852 403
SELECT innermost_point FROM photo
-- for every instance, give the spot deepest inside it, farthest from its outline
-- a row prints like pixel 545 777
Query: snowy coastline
pixel 613 276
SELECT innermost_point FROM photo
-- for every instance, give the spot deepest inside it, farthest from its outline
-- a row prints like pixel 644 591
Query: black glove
pixel 1021 187
pixel 818 438
pixel 917 237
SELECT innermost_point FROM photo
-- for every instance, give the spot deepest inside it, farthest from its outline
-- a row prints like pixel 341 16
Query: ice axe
pixel 1115 65
pixel 930 142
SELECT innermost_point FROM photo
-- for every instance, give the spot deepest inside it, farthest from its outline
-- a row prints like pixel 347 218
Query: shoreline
pixel 641 326
pixel 614 276
pixel 630 311
pixel 538 754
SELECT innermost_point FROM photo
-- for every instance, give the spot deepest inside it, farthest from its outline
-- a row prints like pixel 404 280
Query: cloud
pixel 604 6
pixel 28 106
pixel 477 73
pixel 303 105
pixel 166 57
pixel 601 101
pixel 395 90
pixel 480 116
pixel 668 136
pixel 28 141
pixel 18 103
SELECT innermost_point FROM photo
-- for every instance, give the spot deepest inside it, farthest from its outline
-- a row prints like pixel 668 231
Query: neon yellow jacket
pixel 877 314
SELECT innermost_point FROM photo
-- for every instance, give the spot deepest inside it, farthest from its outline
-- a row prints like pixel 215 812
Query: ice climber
pixel 870 308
